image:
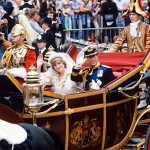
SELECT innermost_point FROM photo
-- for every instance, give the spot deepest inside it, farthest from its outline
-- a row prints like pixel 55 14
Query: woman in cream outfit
pixel 58 75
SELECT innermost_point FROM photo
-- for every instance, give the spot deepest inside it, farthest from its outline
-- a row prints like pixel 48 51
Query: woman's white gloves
pixel 18 72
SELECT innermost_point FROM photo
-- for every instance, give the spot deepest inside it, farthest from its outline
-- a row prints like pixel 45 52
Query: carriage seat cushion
pixel 117 74
pixel 119 62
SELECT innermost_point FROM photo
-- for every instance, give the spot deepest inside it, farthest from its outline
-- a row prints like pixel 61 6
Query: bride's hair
pixel 64 58
pixel 55 60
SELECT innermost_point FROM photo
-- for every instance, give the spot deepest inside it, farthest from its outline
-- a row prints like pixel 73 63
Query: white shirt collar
pixel 42 50
pixel 11 16
pixel 135 23
pixel 133 27
pixel 46 30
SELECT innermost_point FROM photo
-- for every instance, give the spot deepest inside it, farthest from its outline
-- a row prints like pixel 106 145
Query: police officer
pixel 41 42
pixel 42 50
pixel 94 77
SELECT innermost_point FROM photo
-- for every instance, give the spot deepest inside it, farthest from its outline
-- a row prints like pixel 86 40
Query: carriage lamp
pixel 33 100
pixel 46 57
pixel 33 95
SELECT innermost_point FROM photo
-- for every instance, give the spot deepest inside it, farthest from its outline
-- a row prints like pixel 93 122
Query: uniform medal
pixel 100 73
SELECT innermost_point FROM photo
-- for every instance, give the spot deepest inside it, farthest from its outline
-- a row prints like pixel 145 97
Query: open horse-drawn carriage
pixel 99 119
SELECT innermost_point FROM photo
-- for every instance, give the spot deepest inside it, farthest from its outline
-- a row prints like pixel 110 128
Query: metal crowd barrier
pixel 107 35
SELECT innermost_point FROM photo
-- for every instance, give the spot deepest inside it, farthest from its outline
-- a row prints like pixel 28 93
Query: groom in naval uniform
pixel 94 77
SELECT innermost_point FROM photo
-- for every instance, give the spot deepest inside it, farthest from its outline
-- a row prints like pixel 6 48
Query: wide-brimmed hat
pixel 136 7
pixel 90 52
pixel 41 38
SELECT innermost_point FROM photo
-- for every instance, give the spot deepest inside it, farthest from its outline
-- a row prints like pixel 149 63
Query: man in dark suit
pixel 50 37
pixel 109 12
pixel 10 17
pixel 94 77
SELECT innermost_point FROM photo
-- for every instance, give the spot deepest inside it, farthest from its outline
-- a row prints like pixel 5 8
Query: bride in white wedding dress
pixel 58 75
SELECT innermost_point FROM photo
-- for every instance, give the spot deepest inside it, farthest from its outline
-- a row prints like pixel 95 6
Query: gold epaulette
pixel 82 71
pixel 30 47
pixel 105 66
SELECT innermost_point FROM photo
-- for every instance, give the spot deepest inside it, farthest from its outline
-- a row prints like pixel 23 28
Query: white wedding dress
pixel 66 85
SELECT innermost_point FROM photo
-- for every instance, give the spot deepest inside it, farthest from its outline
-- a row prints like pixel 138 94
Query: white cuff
pixel 78 66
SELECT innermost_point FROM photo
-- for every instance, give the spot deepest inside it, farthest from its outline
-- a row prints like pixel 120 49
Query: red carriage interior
pixel 119 62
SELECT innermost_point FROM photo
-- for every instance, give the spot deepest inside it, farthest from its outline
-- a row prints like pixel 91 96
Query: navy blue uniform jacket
pixel 99 72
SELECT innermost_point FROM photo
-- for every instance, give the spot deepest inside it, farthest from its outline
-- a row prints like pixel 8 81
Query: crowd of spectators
pixel 67 14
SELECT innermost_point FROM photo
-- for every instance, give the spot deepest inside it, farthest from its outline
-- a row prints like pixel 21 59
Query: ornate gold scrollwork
pixel 85 132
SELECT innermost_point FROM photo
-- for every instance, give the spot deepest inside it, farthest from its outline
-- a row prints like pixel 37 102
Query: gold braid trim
pixel 84 74
pixel 97 65
pixel 10 52
pixel 75 73
pixel 24 51
pixel 6 58
pixel 131 5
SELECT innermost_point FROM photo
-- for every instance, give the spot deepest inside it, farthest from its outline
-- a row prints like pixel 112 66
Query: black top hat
pixel 41 38
pixel 90 52
pixel 47 21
